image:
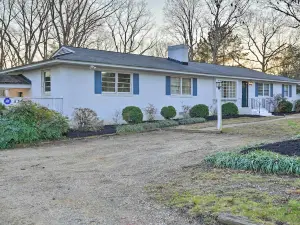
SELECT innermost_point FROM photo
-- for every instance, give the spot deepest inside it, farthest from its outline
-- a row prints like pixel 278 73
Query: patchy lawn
pixel 226 122
pixel 202 193
pixel 285 128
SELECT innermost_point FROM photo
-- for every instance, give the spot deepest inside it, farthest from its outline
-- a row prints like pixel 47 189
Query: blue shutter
pixel 168 85
pixel 283 90
pixel 290 91
pixel 136 84
pixel 271 87
pixel 195 89
pixel 256 89
pixel 98 82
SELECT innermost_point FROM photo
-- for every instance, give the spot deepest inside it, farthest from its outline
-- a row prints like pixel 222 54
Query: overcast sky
pixel 156 7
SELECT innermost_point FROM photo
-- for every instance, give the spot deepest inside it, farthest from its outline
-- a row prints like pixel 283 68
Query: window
pixel 286 90
pixel 46 77
pixel 116 82
pixel 228 89
pixel 263 89
pixel 2 93
pixel 181 86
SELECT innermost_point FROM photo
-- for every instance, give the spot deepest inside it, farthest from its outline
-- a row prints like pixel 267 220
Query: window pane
pixel 286 91
pixel 175 86
pixel 266 89
pixel 228 89
pixel 124 83
pixel 108 82
pixel 47 81
pixel 260 89
pixel 186 86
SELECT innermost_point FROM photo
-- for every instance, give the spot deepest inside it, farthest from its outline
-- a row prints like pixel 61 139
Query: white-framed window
pixel 181 86
pixel 46 82
pixel 286 90
pixel 229 89
pixel 116 82
pixel 264 89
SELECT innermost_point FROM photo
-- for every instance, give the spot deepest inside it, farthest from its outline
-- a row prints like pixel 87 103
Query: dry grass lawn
pixel 285 128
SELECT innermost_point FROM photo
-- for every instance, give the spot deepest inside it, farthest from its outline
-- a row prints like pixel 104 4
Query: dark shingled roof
pixel 122 59
pixel 14 79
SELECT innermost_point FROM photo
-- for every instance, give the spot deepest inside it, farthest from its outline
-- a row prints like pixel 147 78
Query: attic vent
pixel 62 51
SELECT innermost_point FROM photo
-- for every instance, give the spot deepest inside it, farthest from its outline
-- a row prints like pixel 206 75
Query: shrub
pixel 191 121
pixel 258 161
pixel 151 112
pixel 230 109
pixel 168 112
pixel 2 108
pixel 297 106
pixel 132 115
pixel 16 132
pixel 34 122
pixel 285 106
pixel 199 111
pixel 86 119
pixel 167 123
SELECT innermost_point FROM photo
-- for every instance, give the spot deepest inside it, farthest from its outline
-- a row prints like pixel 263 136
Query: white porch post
pixel 219 103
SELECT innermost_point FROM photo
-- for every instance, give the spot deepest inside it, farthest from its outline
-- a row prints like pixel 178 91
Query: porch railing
pixel 51 103
pixel 262 103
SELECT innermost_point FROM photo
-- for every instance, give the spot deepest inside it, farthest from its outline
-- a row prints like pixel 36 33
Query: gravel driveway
pixel 100 181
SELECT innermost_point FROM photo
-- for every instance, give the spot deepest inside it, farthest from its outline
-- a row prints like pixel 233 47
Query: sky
pixel 156 7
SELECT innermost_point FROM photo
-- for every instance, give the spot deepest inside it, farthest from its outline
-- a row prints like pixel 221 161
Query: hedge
pixel 168 112
pixel 285 106
pixel 230 109
pixel 132 115
pixel 199 111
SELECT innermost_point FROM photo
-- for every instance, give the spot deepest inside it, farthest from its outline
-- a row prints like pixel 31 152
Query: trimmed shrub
pixel 297 106
pixel 2 108
pixel 285 106
pixel 86 119
pixel 199 111
pixel 191 121
pixel 168 112
pixel 258 161
pixel 132 115
pixel 230 109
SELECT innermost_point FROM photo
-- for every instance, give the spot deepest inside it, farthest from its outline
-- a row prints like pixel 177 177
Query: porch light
pixel 219 84
pixel 250 83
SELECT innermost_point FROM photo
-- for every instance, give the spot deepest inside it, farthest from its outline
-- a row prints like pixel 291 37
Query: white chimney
pixel 179 53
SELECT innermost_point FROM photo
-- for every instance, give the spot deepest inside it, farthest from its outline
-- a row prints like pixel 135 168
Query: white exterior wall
pixel 77 89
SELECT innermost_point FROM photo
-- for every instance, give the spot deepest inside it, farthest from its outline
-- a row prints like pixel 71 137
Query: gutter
pixel 70 62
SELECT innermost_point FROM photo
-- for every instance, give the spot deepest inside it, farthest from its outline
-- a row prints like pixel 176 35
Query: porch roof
pixel 14 79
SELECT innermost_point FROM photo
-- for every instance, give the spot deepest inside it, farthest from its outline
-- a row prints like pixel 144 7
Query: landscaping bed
pixel 290 148
pixel 215 117
pixel 284 114
pixel 108 129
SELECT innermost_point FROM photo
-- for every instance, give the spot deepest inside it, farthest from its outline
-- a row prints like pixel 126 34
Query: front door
pixel 244 94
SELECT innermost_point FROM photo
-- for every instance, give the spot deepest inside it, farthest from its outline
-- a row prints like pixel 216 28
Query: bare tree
pixel 263 40
pixel 183 19
pixel 288 8
pixel 223 19
pixel 75 21
pixel 130 28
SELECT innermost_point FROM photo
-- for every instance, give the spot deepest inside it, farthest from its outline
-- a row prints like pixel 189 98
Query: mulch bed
pixel 108 129
pixel 290 148
pixel 210 118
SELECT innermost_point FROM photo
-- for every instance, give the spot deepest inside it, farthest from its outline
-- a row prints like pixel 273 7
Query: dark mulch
pixel 108 129
pixel 290 148
pixel 283 114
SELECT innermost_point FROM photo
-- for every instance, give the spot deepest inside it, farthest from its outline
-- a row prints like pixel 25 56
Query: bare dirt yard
pixel 106 180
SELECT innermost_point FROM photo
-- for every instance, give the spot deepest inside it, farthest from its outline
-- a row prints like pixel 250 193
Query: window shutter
pixel 283 90
pixel 256 89
pixel 291 91
pixel 195 88
pixel 168 85
pixel 271 90
pixel 136 84
pixel 98 82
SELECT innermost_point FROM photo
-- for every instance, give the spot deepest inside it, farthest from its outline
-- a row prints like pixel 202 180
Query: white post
pixel 219 96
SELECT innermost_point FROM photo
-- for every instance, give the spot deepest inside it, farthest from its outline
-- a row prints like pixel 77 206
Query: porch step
pixel 262 112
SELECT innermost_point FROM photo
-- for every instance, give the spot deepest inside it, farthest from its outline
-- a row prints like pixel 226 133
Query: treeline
pixel 261 35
